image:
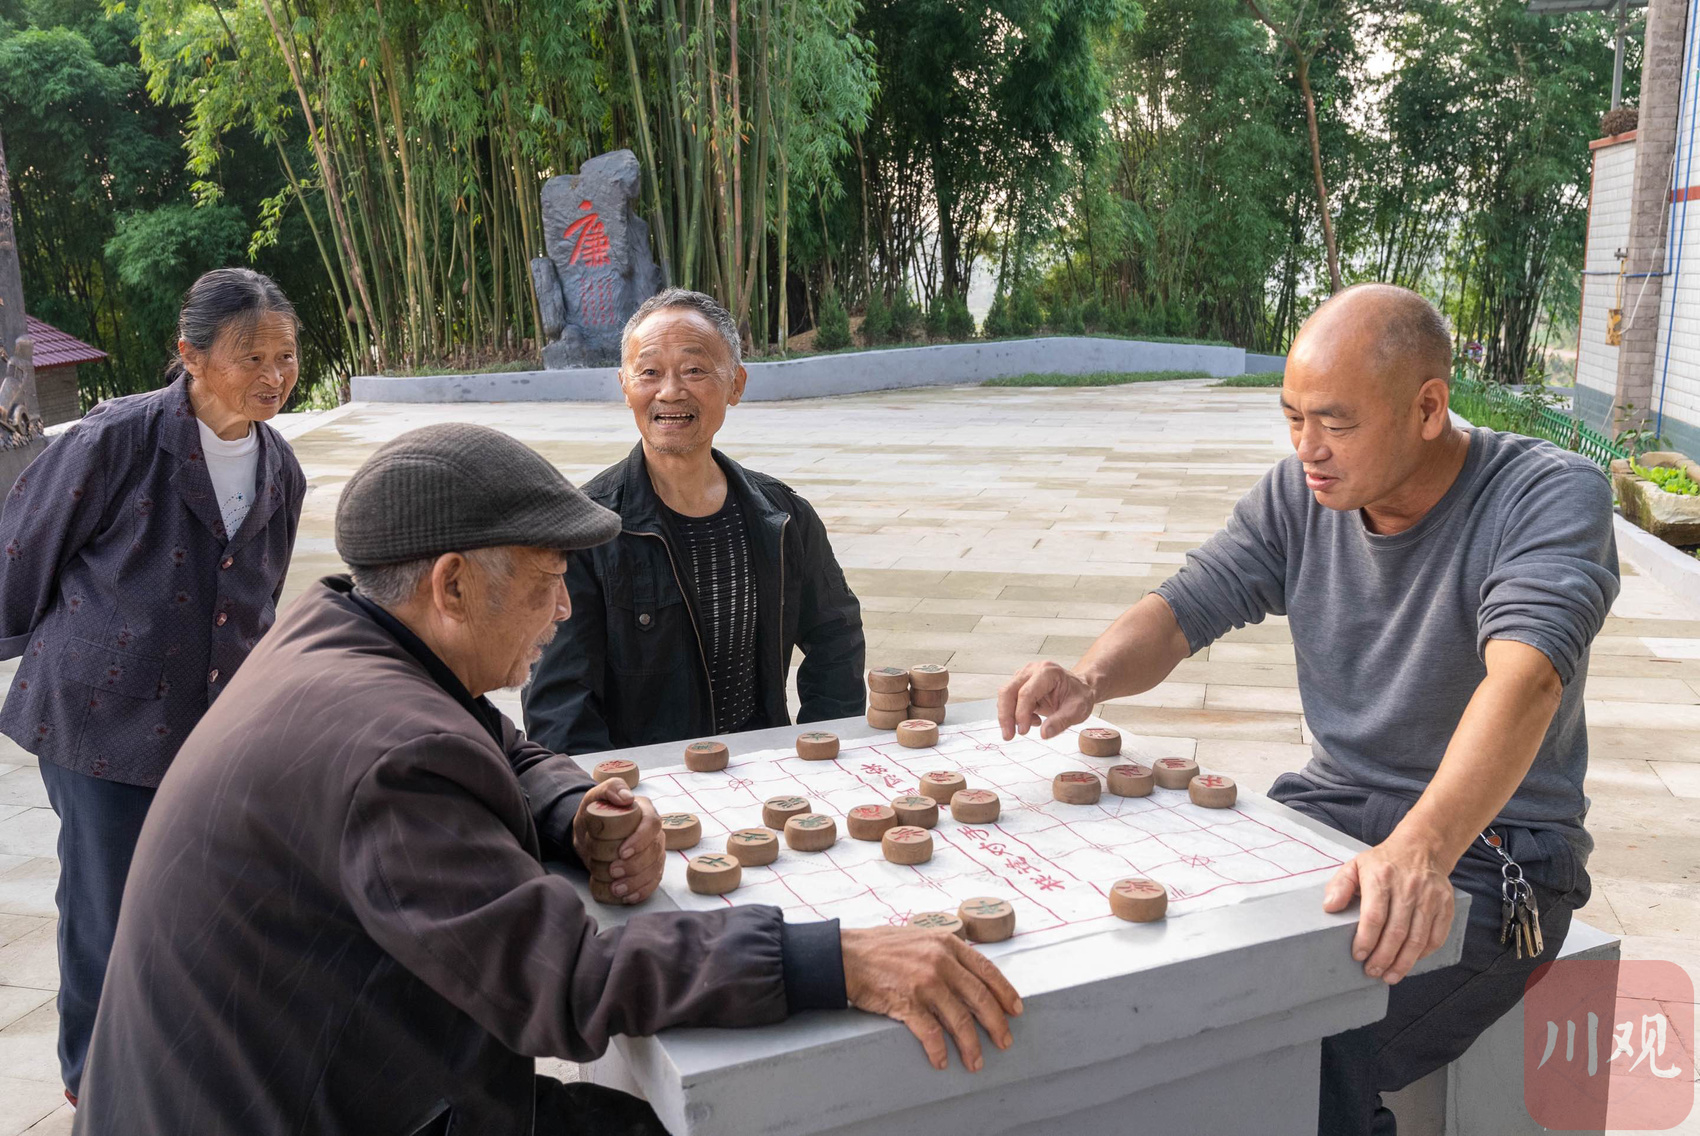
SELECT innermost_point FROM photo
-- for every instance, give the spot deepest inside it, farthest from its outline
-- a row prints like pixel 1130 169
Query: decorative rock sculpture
pixel 598 268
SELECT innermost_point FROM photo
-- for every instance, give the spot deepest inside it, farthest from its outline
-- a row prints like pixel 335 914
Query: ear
pixel 1433 405
pixel 739 378
pixel 193 357
pixel 625 391
pixel 450 578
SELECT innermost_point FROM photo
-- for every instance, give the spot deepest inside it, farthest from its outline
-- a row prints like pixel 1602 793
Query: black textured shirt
pixel 715 555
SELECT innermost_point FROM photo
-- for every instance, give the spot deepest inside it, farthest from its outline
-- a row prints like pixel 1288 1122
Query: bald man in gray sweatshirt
pixel 1442 586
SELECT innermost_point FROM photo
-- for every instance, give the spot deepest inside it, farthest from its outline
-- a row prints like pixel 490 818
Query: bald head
pixel 1380 329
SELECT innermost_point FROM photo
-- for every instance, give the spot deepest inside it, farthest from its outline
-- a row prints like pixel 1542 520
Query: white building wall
pixel 1608 231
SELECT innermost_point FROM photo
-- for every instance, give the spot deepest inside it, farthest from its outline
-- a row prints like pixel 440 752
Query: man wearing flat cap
pixel 338 919
pixel 689 619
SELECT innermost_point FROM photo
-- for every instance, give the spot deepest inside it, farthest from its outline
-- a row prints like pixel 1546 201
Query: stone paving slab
pixel 984 528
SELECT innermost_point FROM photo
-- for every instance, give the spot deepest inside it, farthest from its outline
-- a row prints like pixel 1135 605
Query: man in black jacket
pixel 685 624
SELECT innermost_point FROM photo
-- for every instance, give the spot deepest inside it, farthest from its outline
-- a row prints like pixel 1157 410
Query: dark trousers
pixel 1433 1018
pixel 574 1108
pixel 99 822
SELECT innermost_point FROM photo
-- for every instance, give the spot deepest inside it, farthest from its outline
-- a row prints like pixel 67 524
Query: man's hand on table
pixel 1407 904
pixel 1043 690
pixel 932 982
pixel 643 854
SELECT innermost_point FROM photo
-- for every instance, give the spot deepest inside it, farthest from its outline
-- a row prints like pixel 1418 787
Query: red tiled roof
pixel 54 348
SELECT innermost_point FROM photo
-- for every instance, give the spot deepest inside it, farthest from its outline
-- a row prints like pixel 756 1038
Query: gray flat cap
pixel 455 487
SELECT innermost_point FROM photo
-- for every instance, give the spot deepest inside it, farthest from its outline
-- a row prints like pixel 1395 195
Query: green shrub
pixel 1181 320
pixel 998 323
pixel 1075 320
pixel 876 319
pixel 833 334
pixel 958 320
pixel 1132 317
pixel 905 316
pixel 1092 315
pixel 937 323
pixel 1026 316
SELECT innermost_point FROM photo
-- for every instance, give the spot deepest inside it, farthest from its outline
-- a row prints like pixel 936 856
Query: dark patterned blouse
pixel 129 604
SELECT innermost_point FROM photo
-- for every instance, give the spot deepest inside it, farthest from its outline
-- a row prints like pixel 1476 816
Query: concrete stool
pixel 1482 1091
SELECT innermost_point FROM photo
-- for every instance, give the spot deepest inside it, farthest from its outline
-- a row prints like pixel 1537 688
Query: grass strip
pixel 1254 379
pixel 1093 379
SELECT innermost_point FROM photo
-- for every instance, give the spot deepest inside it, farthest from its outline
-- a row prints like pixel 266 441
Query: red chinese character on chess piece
pixel 1210 779
pixel 590 239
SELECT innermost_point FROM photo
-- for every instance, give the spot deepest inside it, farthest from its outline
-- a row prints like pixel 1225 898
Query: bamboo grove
pixel 1141 167
pixel 429 128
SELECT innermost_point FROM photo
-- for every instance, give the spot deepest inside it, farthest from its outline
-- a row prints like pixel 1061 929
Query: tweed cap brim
pixel 455 487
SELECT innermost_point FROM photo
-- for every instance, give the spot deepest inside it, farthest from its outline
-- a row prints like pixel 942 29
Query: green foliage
pixel 1025 315
pixel 876 320
pixel 1670 480
pixel 1530 412
pixel 937 321
pixel 1254 379
pixel 905 316
pixel 1094 379
pixel 977 102
pixel 959 321
pixel 997 324
pixel 833 333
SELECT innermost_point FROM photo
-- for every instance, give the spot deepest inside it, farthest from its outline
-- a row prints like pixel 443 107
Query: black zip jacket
pixel 629 667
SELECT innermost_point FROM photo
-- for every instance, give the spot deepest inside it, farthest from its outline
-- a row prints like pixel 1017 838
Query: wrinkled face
pixel 678 377
pixel 1359 433
pixel 248 372
pixel 515 618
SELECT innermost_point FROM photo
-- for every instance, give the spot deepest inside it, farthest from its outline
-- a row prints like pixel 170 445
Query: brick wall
pixel 1658 128
pixel 1675 382
pixel 56 391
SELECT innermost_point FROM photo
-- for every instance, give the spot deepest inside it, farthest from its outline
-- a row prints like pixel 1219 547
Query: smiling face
pixel 679 379
pixel 1359 419
pixel 248 372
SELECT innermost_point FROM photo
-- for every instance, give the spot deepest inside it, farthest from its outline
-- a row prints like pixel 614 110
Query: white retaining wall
pixel 853 372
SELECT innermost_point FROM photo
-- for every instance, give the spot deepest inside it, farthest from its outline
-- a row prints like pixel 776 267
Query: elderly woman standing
pixel 145 551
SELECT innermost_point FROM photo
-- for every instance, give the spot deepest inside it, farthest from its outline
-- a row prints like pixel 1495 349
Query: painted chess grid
pixel 1055 862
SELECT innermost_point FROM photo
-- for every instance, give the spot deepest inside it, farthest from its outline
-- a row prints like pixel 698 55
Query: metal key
pixel 1534 916
pixel 1507 920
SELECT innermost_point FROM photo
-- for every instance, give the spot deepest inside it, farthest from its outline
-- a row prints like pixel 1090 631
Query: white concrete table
pixel 1207 1022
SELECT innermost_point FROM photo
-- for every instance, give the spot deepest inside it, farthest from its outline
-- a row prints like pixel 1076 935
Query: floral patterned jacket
pixel 129 604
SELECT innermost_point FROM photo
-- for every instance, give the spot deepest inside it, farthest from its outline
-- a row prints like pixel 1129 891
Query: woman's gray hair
pixel 392 585
pixel 227 299
pixel 704 305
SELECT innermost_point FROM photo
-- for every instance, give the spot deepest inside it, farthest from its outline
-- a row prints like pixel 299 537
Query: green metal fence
pixel 1529 412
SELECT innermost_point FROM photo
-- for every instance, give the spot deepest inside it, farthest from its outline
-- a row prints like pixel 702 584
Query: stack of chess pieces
pixel 911 702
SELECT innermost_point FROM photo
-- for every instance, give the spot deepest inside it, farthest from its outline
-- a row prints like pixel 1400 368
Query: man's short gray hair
pixel 704 305
pixel 392 585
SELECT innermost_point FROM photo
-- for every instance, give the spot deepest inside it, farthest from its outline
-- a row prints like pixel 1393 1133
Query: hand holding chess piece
pixel 635 870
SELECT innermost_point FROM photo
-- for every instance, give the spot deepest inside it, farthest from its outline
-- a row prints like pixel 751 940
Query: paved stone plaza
pixel 983 529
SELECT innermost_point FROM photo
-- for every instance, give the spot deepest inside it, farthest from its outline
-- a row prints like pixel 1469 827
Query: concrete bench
pixel 1482 1091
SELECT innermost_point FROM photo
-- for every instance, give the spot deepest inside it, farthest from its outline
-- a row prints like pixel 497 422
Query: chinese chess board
pixel 1055 862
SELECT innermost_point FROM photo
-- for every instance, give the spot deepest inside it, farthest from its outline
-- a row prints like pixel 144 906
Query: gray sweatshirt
pixel 1389 630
